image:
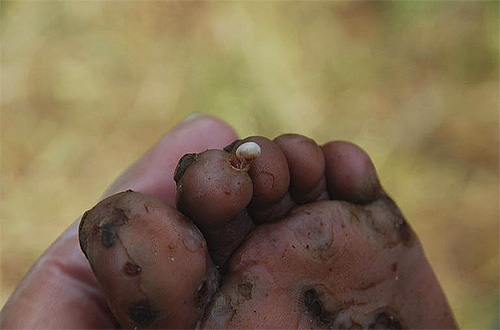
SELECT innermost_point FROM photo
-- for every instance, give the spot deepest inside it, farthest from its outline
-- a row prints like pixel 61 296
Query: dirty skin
pixel 282 233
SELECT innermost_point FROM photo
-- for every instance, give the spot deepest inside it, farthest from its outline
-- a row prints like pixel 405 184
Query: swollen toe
pixel 213 190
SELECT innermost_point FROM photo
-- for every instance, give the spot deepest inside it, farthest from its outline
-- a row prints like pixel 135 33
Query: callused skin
pixel 303 236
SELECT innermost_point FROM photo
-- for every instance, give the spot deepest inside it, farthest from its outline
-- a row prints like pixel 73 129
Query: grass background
pixel 87 87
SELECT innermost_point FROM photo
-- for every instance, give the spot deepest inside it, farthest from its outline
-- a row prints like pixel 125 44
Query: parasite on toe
pixel 247 152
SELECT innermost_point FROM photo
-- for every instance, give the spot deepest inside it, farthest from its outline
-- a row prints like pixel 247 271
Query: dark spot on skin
pixel 385 321
pixel 201 295
pixel 183 164
pixel 108 235
pixel 315 307
pixel 118 217
pixel 131 269
pixel 245 290
pixel 312 303
pixel 146 208
pixel 108 230
pixel 230 148
pixel 129 190
pixel 404 230
pixel 142 313
pixel 355 326
pixel 394 267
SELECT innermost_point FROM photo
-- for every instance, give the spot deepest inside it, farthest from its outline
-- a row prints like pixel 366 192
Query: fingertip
pixel 216 129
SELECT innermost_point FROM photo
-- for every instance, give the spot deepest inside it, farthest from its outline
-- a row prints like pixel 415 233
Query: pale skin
pixel 61 291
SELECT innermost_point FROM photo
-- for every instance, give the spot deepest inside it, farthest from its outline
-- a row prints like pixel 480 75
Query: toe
pixel 271 180
pixel 147 258
pixel 213 190
pixel 306 165
pixel 350 173
pixel 269 173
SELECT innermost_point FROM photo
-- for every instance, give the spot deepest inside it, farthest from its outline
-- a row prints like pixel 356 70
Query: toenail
pixel 142 313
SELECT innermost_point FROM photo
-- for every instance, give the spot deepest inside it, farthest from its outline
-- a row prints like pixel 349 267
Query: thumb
pixel 60 290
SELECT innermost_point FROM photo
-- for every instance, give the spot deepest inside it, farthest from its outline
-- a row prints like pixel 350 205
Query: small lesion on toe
pixel 245 290
pixel 316 308
pixel 142 313
pixel 108 227
pixel 385 320
pixel 242 155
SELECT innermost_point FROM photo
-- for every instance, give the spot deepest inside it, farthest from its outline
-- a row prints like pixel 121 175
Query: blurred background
pixel 87 87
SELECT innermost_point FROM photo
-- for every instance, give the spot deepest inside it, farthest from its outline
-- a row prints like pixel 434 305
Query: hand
pixel 60 290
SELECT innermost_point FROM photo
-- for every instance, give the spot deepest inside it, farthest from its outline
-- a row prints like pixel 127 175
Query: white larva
pixel 248 151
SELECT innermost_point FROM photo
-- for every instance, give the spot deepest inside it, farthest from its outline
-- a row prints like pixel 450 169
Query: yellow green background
pixel 88 86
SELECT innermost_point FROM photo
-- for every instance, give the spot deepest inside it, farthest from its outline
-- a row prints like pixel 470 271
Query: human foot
pixel 304 237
